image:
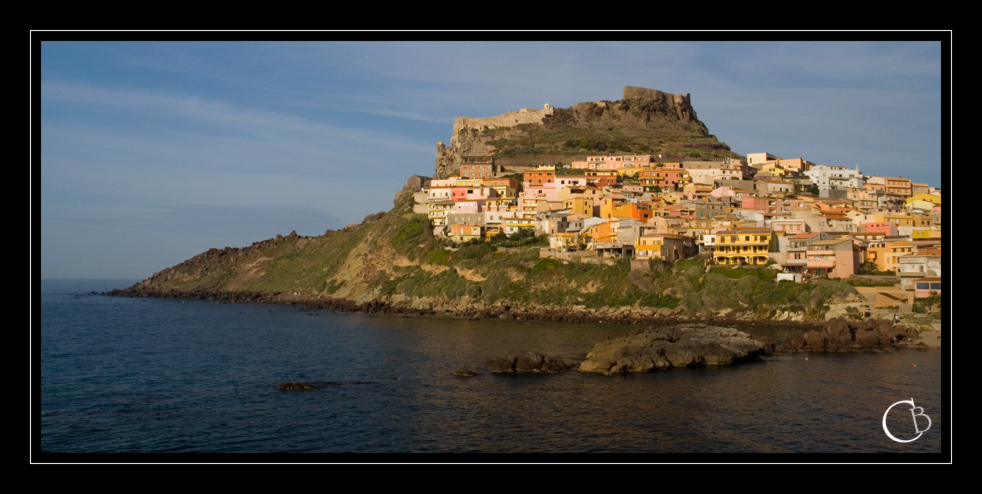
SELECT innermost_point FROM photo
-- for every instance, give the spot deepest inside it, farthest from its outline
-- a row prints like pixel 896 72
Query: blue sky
pixel 153 152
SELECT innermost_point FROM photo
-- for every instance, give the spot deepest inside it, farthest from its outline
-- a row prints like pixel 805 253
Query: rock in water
pixel 295 386
pixel 464 372
pixel 687 345
pixel 521 361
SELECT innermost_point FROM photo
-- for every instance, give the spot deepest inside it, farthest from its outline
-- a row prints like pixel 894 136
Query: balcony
pixel 720 260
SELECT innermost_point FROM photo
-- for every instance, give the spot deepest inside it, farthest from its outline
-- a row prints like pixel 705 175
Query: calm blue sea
pixel 130 375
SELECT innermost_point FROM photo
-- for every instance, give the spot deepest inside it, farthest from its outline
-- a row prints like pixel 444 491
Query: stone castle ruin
pixel 638 106
pixel 465 143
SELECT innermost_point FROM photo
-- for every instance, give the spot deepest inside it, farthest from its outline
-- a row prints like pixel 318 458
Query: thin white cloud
pixel 198 111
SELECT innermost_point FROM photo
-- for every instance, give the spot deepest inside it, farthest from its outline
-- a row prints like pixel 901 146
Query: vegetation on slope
pixel 395 258
pixel 587 128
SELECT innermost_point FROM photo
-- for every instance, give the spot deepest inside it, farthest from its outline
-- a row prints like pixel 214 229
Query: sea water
pixel 139 375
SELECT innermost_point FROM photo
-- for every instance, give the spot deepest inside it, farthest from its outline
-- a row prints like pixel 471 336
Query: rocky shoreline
pixel 605 315
pixel 836 334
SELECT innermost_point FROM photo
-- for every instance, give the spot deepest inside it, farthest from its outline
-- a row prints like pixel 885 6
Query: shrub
pixel 931 303
pixel 411 231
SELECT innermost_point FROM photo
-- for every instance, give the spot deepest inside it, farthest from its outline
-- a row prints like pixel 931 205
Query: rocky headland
pixel 392 263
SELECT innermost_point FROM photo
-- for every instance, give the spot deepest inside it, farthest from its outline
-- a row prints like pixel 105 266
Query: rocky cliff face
pixel 643 121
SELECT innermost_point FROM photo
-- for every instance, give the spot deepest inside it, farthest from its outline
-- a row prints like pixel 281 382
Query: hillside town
pixel 801 219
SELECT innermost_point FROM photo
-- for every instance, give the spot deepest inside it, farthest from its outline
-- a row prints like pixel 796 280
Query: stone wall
pixel 467 140
pixel 510 119
pixel 414 184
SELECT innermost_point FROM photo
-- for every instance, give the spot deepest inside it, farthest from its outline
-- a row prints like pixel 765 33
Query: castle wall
pixel 510 119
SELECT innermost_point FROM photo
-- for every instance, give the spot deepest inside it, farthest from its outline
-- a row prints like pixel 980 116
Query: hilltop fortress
pixel 465 141
pixel 510 119
pixel 640 111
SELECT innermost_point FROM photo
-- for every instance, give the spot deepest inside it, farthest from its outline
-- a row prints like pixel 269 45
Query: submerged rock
pixel 521 361
pixel 306 386
pixel 296 386
pixel 464 372
pixel 686 345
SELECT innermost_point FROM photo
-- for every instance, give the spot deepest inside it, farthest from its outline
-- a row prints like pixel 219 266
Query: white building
pixel 835 177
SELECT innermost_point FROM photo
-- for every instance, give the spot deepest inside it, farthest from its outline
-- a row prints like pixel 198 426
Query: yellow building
pixel 438 211
pixel 649 245
pixel 936 200
pixel 464 233
pixel 470 182
pixel 580 192
pixel 926 234
pixel 744 246
pixel 774 169
pixel 582 206
pixel 903 220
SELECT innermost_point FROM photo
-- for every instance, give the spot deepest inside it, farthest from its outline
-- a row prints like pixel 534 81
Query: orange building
pixel 887 256
pixel 540 176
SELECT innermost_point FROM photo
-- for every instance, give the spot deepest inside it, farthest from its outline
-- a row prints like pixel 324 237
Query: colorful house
pixel 836 258
pixel 885 227
pixel 463 233
pixel 796 252
pixel 745 246
pixel 927 286
pixel 543 175
pixel 887 256
pixel 665 178
pixel 670 248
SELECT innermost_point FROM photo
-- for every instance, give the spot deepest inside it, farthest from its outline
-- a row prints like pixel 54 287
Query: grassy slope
pixel 396 258
pixel 573 133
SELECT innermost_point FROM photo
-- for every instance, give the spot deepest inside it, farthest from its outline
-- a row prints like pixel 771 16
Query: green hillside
pixel 396 260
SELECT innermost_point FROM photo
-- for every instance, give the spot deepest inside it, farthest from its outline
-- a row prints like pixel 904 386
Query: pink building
pixel 925 287
pixel 722 192
pixel 755 203
pixel 463 207
pixel 472 193
pixel 665 177
pixel 884 227
pixel 547 192
pixel 613 162
pixel 570 181
pixel 835 258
